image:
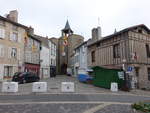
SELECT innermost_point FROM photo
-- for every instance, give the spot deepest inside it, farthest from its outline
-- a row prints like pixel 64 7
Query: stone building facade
pixel 126 48
pixel 32 49
pixel 11 45
pixel 52 58
pixel 66 44
pixel 55 42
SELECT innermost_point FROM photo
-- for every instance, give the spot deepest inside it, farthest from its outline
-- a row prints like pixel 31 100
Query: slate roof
pixel 122 31
pixel 67 27
pixel 43 40
pixel 12 22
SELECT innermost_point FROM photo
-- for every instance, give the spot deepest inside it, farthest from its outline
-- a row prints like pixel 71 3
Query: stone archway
pixel 64 68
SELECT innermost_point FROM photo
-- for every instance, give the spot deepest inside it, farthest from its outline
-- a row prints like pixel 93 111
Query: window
pixel 116 51
pixel 53 50
pixel 147 50
pixel 14 37
pixel 8 71
pixel 15 28
pixel 83 49
pixel 14 52
pixel 148 71
pixel 2 23
pixel 98 44
pixel 51 61
pixel 140 30
pixel 93 56
pixel 1 51
pixel 2 33
pixel 36 44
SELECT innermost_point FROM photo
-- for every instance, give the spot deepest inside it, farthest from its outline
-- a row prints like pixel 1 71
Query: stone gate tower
pixel 66 44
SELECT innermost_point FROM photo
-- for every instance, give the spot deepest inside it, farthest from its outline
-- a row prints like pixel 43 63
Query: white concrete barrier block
pixel 10 87
pixel 67 87
pixel 39 87
pixel 114 87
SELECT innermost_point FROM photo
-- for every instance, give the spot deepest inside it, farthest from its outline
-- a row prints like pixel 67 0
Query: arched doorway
pixel 64 68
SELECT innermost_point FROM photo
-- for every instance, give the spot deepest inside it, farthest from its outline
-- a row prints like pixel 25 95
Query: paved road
pixel 86 99
pixel 65 108
pixel 54 86
pixel 72 97
pixel 68 103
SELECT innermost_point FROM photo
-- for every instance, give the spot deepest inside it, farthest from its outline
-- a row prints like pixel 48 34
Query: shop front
pixel 35 68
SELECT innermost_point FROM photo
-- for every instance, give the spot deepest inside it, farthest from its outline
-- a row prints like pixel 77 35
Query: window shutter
pixel 19 38
pixel 18 54
pixel 9 52
pixel 0 50
pixel 11 36
pixel 2 33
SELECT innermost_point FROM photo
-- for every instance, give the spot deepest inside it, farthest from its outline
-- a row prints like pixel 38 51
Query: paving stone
pixel 116 109
pixel 46 108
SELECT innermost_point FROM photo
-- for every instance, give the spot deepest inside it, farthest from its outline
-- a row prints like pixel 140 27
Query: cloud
pixel 48 17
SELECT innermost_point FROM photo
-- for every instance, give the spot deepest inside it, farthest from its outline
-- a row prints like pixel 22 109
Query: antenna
pixel 81 33
pixel 98 21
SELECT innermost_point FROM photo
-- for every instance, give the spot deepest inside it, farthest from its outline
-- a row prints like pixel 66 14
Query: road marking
pixel 102 93
pixel 94 109
pixel 66 102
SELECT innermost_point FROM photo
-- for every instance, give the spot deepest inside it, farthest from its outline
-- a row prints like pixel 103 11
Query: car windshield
pixel 17 73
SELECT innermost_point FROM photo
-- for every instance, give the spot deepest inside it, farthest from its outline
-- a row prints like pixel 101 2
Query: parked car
pixel 25 77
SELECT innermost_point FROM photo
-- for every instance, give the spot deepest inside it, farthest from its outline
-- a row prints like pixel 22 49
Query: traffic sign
pixel 130 68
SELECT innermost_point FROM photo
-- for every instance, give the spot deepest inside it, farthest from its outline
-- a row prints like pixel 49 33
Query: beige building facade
pixel 124 49
pixel 11 45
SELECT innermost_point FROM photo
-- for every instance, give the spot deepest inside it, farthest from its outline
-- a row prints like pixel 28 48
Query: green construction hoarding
pixel 103 77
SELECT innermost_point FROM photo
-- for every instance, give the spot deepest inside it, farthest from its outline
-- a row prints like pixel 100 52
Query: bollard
pixel 67 87
pixel 10 87
pixel 39 87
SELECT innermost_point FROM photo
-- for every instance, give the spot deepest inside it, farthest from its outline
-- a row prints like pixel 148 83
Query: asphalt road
pixel 72 97
pixel 68 103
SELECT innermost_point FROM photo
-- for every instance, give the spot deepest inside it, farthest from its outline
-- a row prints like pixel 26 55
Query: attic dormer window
pixel 140 30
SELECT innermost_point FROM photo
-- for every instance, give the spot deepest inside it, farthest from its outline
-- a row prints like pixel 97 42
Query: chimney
pixel 13 15
pixel 31 30
pixel 96 33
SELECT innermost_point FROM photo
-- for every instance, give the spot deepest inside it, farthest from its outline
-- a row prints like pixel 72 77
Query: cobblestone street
pixel 65 108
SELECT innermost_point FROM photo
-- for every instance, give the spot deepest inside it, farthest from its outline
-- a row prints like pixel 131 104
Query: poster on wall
pixel 121 75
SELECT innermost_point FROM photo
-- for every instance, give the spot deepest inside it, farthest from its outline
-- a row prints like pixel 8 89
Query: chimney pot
pixel 13 15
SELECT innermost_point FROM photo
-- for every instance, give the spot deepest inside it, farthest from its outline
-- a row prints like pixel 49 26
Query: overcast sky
pixel 48 17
